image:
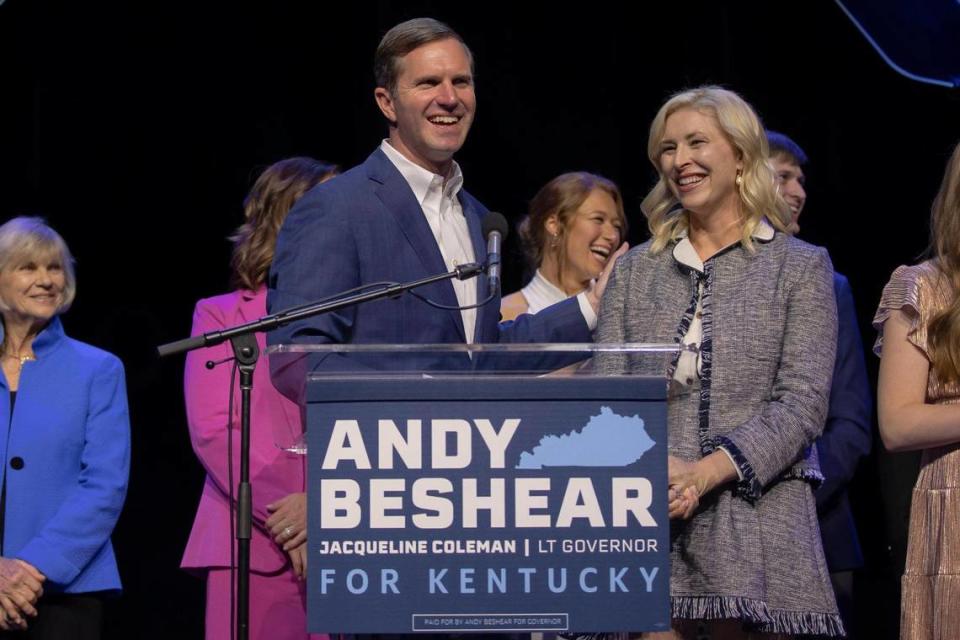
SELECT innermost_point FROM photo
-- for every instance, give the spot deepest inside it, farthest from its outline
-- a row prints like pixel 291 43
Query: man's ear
pixel 385 102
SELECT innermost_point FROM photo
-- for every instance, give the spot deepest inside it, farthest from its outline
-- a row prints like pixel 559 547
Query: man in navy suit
pixel 403 215
pixel 847 435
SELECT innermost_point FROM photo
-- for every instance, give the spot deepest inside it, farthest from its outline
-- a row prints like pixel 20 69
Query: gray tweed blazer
pixel 751 551
pixel 770 334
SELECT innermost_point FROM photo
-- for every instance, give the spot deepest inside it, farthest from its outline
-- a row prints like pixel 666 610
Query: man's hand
pixel 288 520
pixel 594 293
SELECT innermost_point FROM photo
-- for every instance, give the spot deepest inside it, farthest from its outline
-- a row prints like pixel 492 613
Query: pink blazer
pixel 273 473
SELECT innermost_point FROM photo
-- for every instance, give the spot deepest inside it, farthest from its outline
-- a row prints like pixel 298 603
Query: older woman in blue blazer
pixel 64 446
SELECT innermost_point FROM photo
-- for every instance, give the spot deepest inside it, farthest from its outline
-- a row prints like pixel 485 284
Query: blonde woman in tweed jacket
pixel 748 396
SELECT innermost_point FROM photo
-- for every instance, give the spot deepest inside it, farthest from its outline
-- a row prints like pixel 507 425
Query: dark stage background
pixel 137 128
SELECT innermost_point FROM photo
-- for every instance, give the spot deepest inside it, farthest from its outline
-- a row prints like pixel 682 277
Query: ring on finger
pixel 287 532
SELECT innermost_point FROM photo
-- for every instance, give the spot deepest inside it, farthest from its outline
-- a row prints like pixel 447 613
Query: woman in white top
pixel 574 227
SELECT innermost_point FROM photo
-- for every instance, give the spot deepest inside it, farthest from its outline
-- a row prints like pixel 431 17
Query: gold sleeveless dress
pixel 930 607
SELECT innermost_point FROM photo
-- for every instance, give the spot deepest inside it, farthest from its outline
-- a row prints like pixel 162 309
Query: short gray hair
pixel 25 238
pixel 404 38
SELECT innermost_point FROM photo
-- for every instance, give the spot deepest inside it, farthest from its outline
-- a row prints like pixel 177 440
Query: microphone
pixel 494 228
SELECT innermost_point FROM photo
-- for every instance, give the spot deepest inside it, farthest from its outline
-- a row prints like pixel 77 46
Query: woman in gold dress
pixel 919 408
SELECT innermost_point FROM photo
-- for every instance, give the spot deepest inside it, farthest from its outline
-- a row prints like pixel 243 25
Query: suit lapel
pixel 473 223
pixel 399 201
pixel 470 210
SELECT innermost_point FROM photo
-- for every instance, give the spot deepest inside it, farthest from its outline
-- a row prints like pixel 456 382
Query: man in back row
pixel 847 435
pixel 403 215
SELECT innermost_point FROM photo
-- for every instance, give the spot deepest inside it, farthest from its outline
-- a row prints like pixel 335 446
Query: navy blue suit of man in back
pixel 847 435
pixel 403 215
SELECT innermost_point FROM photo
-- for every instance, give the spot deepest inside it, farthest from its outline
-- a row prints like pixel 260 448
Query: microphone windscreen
pixel 494 221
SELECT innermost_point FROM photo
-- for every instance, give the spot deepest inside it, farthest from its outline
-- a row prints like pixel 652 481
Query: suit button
pixel 16 462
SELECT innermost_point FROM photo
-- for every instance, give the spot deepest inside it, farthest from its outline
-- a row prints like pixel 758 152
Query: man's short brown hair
pixel 404 38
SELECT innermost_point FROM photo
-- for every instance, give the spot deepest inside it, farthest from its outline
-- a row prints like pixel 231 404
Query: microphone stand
pixel 247 352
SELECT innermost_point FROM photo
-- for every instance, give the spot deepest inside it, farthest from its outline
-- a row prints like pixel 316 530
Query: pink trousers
pixel 277 607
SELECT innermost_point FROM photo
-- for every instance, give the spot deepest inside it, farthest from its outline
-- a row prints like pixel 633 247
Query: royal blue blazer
pixel 66 457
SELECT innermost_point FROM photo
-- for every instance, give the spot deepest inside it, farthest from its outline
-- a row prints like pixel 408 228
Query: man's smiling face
pixel 432 107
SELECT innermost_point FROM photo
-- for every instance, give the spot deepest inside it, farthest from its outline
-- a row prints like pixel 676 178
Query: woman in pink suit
pixel 277 548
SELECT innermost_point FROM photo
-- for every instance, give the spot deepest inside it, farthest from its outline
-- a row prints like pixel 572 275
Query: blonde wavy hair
pixel 265 208
pixel 943 331
pixel 737 120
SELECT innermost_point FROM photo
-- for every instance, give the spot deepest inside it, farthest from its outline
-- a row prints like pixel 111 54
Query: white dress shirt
pixel 441 207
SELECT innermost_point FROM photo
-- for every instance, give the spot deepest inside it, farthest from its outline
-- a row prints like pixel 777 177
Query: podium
pixel 485 488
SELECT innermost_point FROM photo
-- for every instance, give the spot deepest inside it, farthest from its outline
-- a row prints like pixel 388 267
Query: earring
pixel 555 240
pixel 739 179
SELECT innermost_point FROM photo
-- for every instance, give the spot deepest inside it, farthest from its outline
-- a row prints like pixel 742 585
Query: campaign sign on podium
pixel 493 502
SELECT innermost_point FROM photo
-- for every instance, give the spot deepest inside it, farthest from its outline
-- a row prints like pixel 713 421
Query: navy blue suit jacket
pixel 366 226
pixel 846 437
